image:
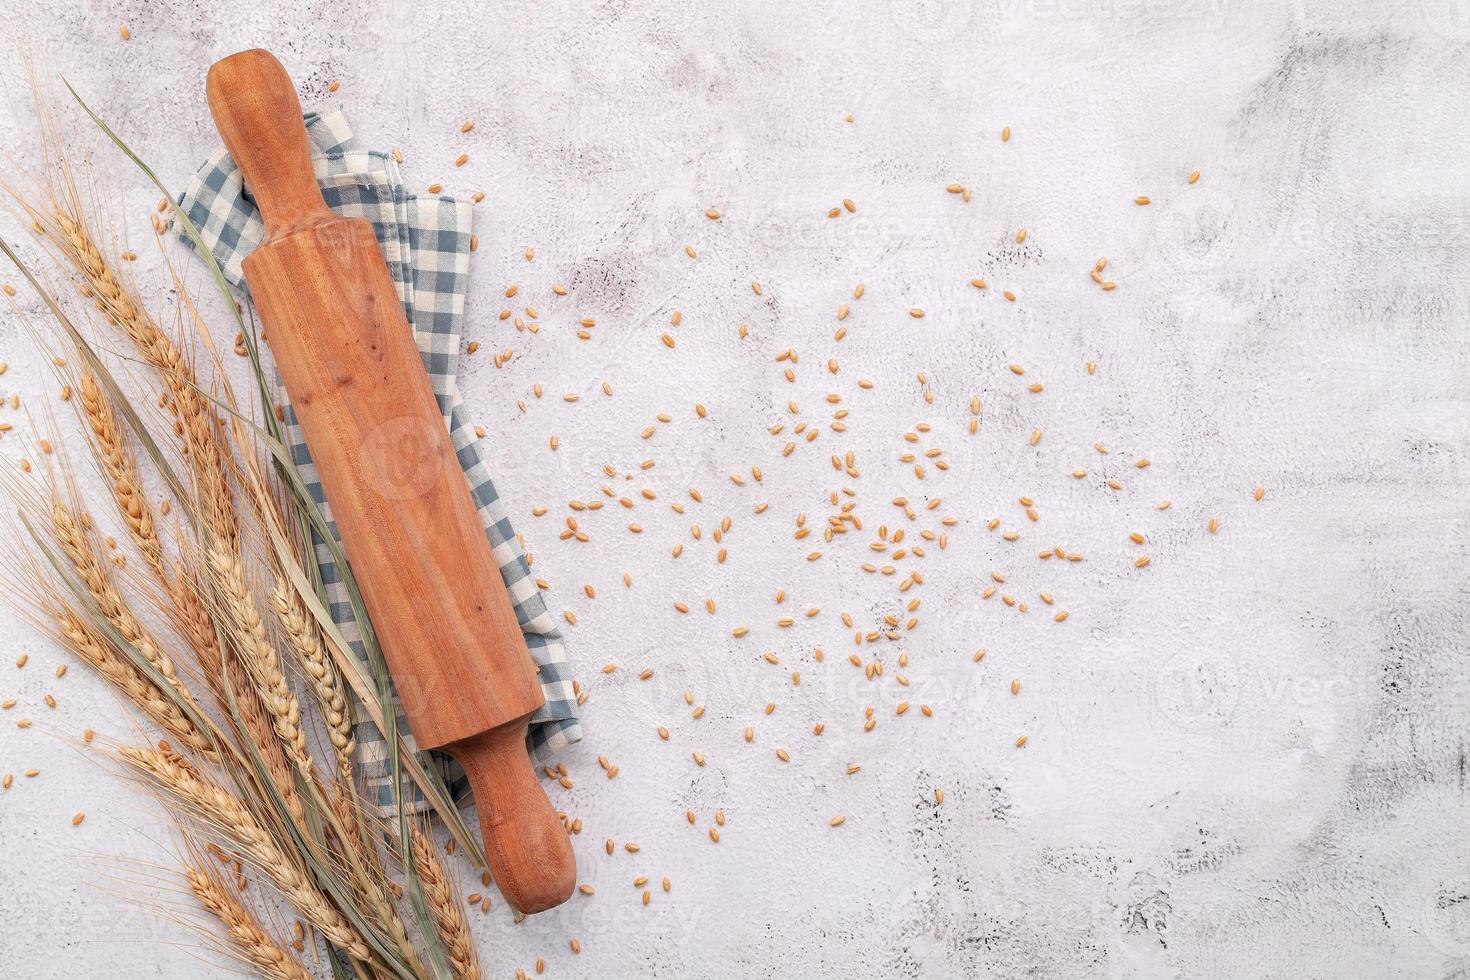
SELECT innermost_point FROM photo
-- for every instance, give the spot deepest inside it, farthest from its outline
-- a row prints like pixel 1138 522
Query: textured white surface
pixel 1247 759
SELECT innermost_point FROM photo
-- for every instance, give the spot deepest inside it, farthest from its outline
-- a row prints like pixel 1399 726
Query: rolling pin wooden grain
pixel 402 504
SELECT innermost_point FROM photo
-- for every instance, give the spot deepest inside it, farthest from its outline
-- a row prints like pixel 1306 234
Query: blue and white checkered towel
pixel 426 243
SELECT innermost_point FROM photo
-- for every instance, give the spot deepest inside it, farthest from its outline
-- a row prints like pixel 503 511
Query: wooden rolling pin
pixel 401 501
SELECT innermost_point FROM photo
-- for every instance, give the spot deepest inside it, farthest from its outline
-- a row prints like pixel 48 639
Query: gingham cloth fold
pixel 426 244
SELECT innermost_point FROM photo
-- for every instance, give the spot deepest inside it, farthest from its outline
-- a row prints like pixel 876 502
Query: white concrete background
pixel 1246 760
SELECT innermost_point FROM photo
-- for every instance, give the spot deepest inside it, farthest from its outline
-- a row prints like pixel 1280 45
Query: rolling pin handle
pixel 258 115
pixel 526 844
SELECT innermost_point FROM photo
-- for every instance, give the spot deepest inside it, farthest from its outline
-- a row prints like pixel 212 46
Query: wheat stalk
pixel 304 638
pixel 232 818
pixel 89 644
pixel 123 309
pixel 72 534
pixel 194 621
pixel 256 721
pixel 259 654
pixel 232 684
pixel 366 872
pixel 121 468
pixel 444 907
pixel 261 795
pixel 247 936
pixel 227 676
